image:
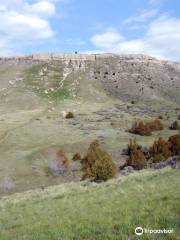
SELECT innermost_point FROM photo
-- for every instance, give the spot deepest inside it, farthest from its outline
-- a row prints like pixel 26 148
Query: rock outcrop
pixel 128 77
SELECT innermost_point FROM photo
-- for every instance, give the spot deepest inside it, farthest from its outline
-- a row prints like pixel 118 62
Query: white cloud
pixel 18 26
pixel 42 8
pixel 144 16
pixel 22 23
pixel 107 39
pixel 161 40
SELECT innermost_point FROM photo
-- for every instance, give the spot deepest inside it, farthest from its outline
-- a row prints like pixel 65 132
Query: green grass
pixel 92 211
pixel 57 95
pixel 37 83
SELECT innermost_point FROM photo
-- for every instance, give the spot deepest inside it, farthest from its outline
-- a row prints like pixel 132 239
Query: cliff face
pixel 139 77
pixel 127 77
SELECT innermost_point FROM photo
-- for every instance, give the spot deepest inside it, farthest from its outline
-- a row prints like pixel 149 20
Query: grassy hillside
pixel 33 95
pixel 90 211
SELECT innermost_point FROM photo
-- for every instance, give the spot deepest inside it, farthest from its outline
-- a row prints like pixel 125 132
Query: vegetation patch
pixel 110 210
pixel 140 157
pixel 98 165
pixel 69 115
pixel 140 128
pixel 160 150
pixel 46 82
pixel 175 144
pixel 146 129
pixel 155 125
pixel 132 147
pixel 137 160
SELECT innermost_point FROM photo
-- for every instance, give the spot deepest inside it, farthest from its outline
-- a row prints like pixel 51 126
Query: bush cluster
pixel 97 165
pixel 161 149
pixel 140 128
pixel 136 156
pixel 146 129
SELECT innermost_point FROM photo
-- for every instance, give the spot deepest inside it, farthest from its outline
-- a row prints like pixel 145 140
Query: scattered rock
pixel 126 170
pixel 171 161
pixel 177 166
pixel 160 165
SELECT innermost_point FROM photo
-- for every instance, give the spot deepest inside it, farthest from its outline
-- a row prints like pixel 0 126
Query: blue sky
pixel 135 26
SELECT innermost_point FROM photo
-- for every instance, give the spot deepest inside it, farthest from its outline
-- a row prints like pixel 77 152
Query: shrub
pixel 76 157
pixel 137 160
pixel 160 150
pixel 145 129
pixel 97 165
pixel 158 158
pixel 155 125
pixel 174 142
pixel 132 146
pixel 140 128
pixel 174 126
pixel 69 115
pixel 60 165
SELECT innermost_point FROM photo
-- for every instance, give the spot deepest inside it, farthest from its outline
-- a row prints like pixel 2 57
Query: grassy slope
pixel 95 211
pixel 32 128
